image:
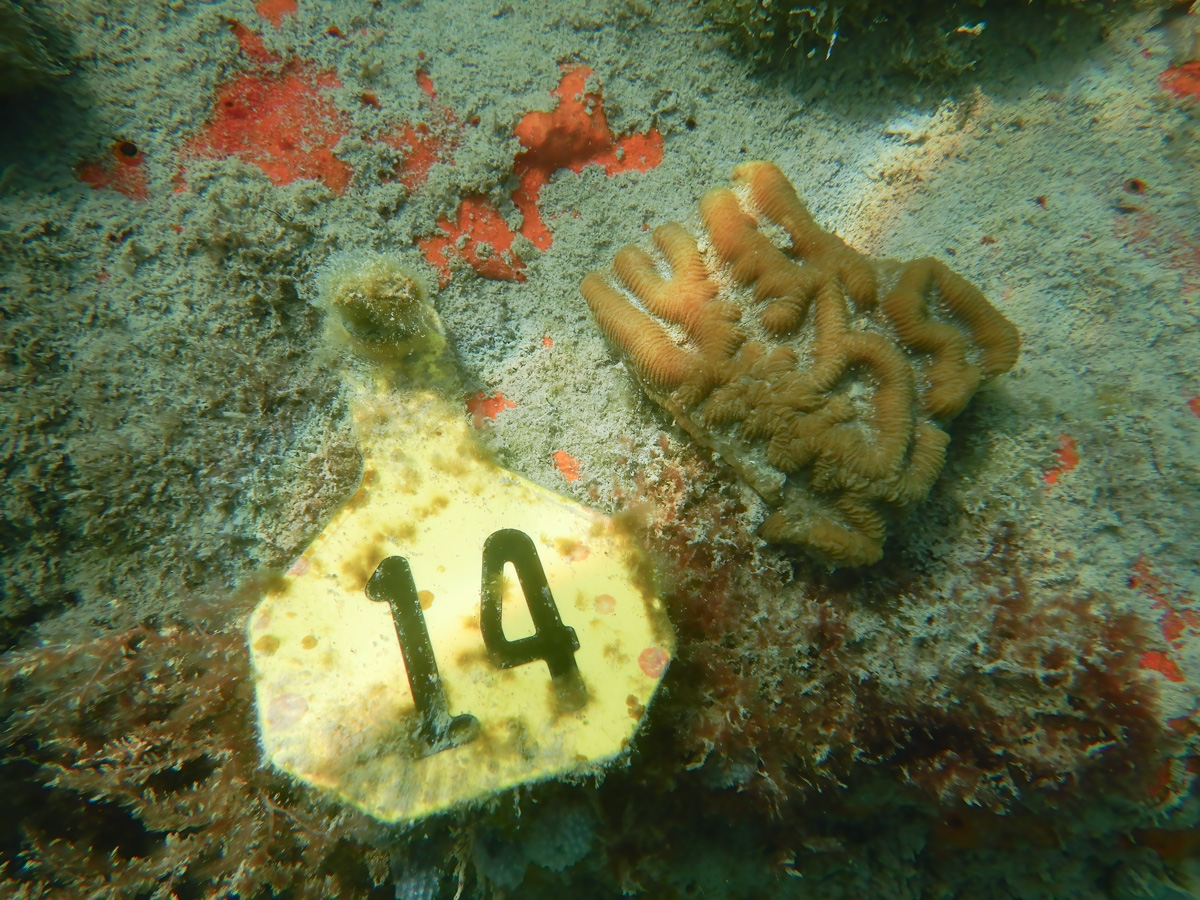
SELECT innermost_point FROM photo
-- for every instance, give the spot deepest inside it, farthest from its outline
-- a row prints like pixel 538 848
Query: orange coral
pixel 123 171
pixel 1161 663
pixel 482 407
pixel 567 465
pixel 1068 459
pixel 274 10
pixel 1177 613
pixel 575 134
pixel 1183 81
pixel 275 118
pixel 826 388
pixel 424 144
pixel 480 237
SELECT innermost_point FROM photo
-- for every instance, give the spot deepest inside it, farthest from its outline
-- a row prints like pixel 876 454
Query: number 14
pixel 552 641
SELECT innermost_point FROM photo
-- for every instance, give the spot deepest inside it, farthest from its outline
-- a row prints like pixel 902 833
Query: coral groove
pixel 823 377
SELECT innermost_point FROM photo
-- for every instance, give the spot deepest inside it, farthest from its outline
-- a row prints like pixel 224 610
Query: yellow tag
pixel 335 705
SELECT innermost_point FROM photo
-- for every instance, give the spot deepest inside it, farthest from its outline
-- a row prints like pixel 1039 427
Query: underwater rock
pixel 928 40
pixel 24 61
pixel 823 377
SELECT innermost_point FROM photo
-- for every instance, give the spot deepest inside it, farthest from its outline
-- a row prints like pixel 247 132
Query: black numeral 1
pixel 392 583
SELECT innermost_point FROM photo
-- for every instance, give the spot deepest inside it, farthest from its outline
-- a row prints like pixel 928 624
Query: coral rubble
pixel 823 377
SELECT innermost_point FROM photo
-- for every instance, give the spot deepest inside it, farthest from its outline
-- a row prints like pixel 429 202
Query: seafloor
pixel 1004 707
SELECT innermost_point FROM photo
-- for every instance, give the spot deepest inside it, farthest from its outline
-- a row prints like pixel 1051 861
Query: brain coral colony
pixel 928 709
pixel 827 387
